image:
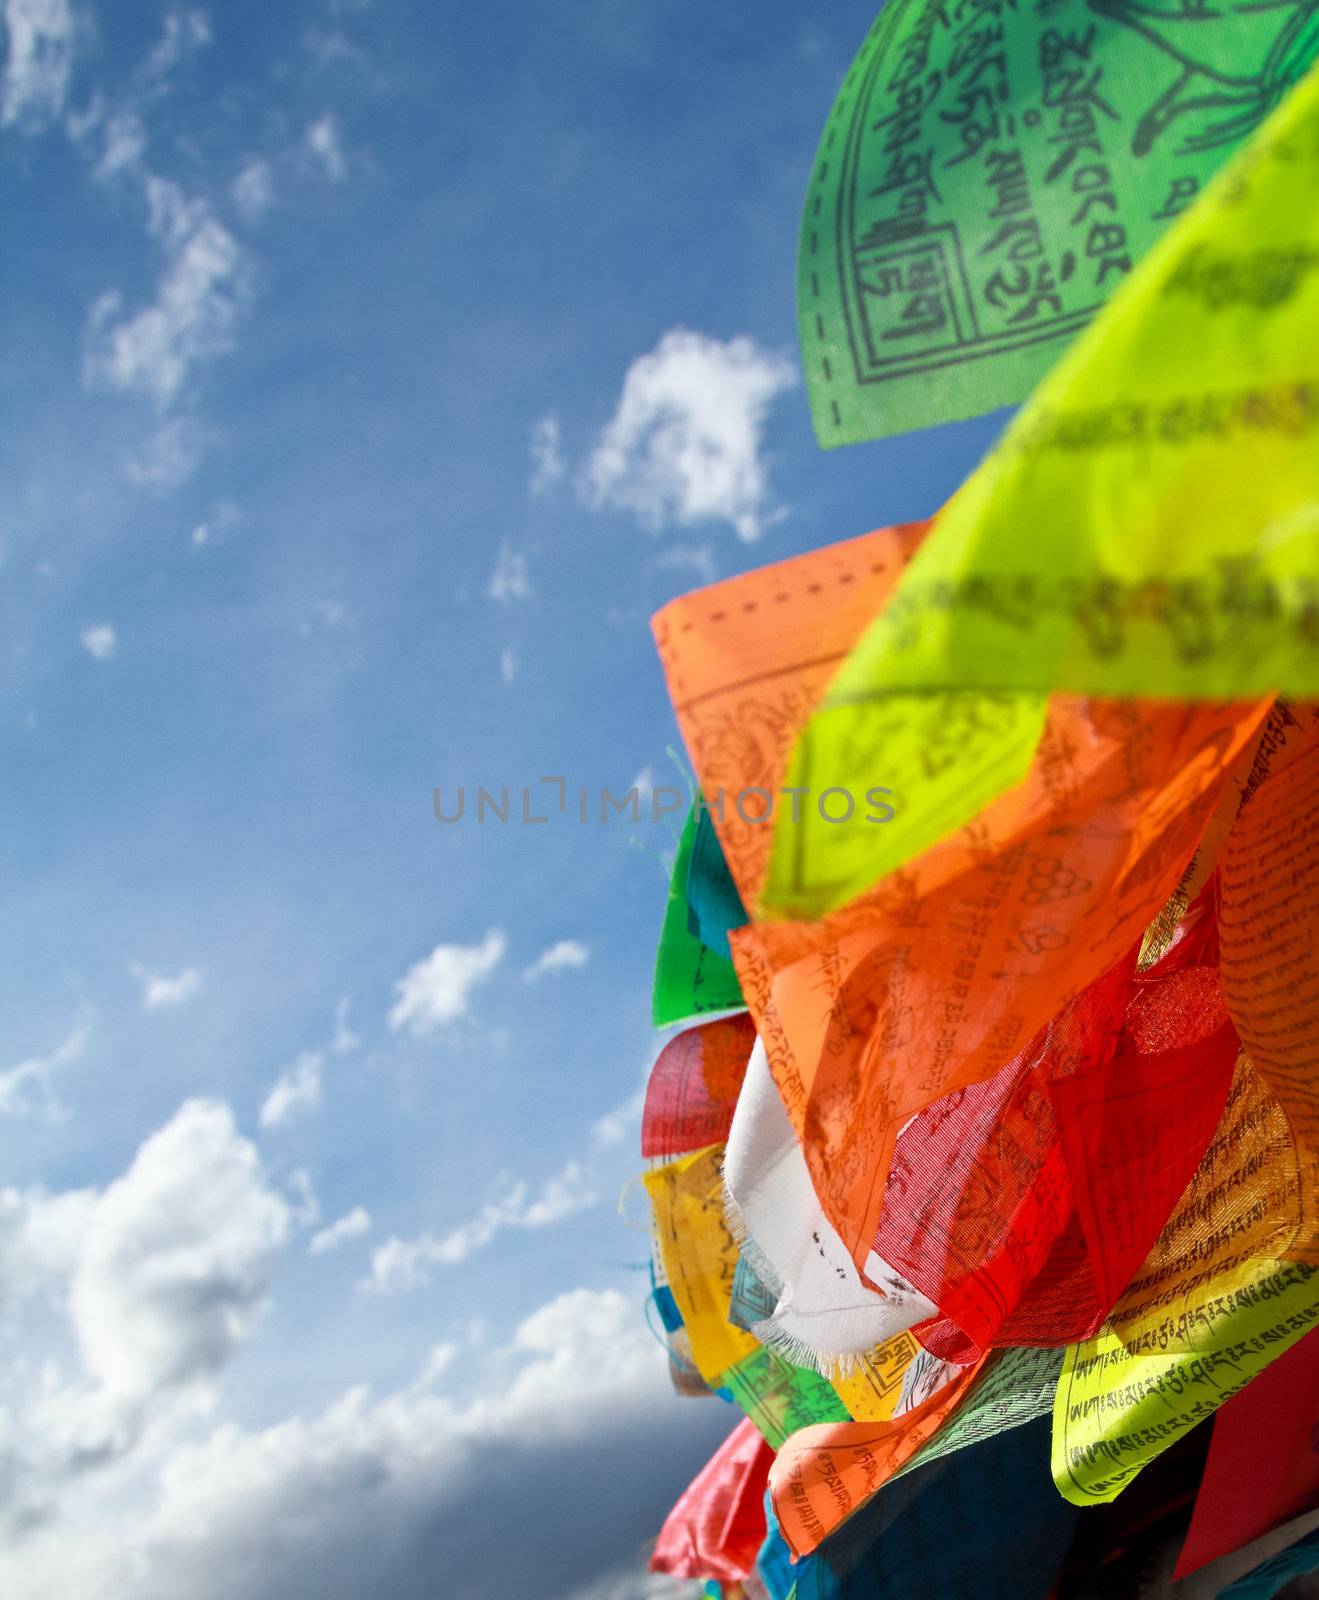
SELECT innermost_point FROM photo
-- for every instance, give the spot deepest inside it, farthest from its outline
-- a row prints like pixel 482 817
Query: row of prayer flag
pixel 985 1166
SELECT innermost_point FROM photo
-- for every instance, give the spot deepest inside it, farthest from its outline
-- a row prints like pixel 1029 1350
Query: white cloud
pixel 696 559
pixel 561 956
pixel 631 1584
pixel 159 991
pixel 41 1237
pixel 29 1087
pixel 79 124
pixel 306 1208
pixel 350 1226
pixel 99 641
pixel 176 1258
pixel 510 580
pixel 185 33
pixel 684 445
pixel 201 292
pixel 222 519
pixel 322 143
pixel 36 77
pixel 324 614
pixel 644 784
pixel 124 141
pixel 297 1090
pixel 547 466
pixel 170 457
pixel 438 989
pixel 623 1122
pixel 508 665
pixel 253 190
pixel 375 1493
pixel 401 1264
pixel 345 1040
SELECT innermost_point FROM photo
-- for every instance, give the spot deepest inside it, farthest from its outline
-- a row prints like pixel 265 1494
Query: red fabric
pixel 1263 1466
pixel 1023 1205
pixel 693 1087
pixel 718 1525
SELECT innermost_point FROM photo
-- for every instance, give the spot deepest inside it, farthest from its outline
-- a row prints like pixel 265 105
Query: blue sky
pixel 373 371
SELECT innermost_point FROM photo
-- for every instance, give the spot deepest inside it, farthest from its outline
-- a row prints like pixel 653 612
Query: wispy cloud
pixel 561 956
pixel 685 444
pixel 305 1210
pixel 508 665
pixel 401 1264
pixel 510 580
pixel 203 288
pixel 644 784
pixel 159 992
pixel 326 613
pixel 345 1040
pixel 696 559
pixel 436 991
pixel 296 1091
pixel 322 143
pixel 619 1124
pixel 253 190
pixel 170 456
pixel 224 518
pixel 99 640
pixel 350 1226
pixel 547 464
pixel 185 33
pixel 123 141
pixel 40 60
pixel 29 1087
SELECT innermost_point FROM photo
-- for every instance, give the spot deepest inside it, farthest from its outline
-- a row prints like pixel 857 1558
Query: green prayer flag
pixel 991 172
pixel 690 978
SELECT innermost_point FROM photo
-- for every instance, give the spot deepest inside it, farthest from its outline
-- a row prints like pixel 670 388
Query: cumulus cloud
pixel 547 465
pixel 139 1294
pixel 296 1091
pixel 176 1258
pixel 29 1088
pixel 352 1225
pixel 685 443
pixel 321 142
pixel 437 990
pixel 510 580
pixel 159 992
pixel 377 1494
pixel 201 292
pixel 41 1236
pixel 401 1264
pixel 561 956
pixel 40 59
pixel 99 641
